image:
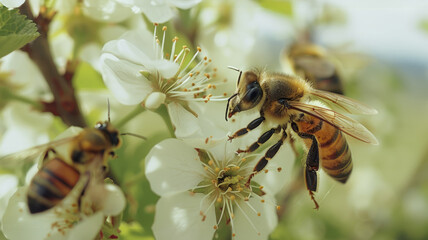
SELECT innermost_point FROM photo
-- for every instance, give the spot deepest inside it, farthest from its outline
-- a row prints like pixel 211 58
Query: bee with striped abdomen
pixel 289 100
pixel 84 160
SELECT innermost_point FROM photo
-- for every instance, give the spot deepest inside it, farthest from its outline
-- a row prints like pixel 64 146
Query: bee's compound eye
pixel 101 126
pixel 114 138
pixel 254 92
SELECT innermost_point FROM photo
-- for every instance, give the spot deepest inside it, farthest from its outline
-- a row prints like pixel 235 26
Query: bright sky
pixel 386 28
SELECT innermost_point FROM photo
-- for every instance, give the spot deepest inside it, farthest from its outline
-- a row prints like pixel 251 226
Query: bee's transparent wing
pixel 342 122
pixel 347 104
pixel 30 155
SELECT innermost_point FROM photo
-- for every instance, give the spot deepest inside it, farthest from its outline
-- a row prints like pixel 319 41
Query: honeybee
pixel 311 62
pixel 85 160
pixel 289 100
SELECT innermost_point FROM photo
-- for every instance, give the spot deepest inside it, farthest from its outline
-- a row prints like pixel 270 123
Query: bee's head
pixel 248 95
pixel 111 132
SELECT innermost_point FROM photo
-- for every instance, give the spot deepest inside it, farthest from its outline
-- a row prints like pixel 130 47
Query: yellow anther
pixel 164 28
pixel 210 162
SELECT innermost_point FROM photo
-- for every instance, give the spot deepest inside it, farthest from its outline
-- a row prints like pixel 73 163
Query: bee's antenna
pixel 227 107
pixel 238 70
pixel 108 110
pixel 134 135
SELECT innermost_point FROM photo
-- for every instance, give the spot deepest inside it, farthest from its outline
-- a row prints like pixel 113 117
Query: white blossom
pixel 12 3
pixel 158 10
pixel 137 70
pixel 203 190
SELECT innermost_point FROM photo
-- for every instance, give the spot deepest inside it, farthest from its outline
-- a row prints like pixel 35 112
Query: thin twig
pixel 65 104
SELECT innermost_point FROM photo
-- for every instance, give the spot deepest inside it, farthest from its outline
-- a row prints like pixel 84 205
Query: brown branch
pixel 65 104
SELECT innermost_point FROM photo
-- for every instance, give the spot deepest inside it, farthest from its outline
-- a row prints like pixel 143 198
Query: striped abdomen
pixel 335 154
pixel 51 184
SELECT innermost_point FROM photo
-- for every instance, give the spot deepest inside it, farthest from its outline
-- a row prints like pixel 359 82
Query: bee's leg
pixel 253 124
pixel 262 139
pixel 312 166
pixel 270 153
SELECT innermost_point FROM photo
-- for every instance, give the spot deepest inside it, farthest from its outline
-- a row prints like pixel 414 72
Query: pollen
pixel 208 76
pixel 266 171
pixel 259 214
pixel 199 49
pixel 279 169
pixel 217 169
pixel 278 207
pixel 215 227
pixel 164 28
pixel 232 198
pixel 175 39
pixel 262 201
pixel 219 199
pixel 210 162
pixel 261 187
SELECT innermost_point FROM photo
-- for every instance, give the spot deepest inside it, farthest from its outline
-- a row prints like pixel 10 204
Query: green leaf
pixel 283 7
pixel 15 31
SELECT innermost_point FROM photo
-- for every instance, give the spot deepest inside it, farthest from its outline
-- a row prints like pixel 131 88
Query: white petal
pixel 274 181
pixel 185 123
pixel 178 217
pixel 172 166
pixel 154 100
pixel 12 3
pixel 103 10
pixel 124 80
pixel 17 217
pixel 184 4
pixel 261 225
pixel 88 228
pixel 114 201
pixel 62 46
pixel 157 12
pixel 8 186
pixel 130 47
pixel 166 68
pixel 31 80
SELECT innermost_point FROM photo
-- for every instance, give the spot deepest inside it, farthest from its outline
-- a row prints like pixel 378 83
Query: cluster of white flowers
pixel 201 180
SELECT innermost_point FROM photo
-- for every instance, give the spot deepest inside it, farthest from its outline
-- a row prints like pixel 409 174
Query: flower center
pixel 187 78
pixel 66 217
pixel 225 189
